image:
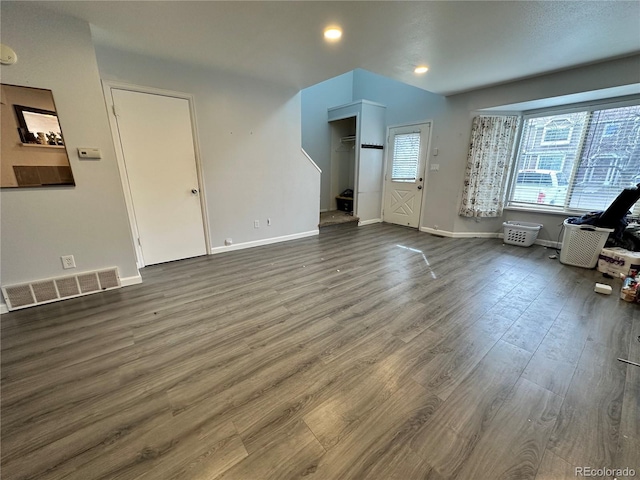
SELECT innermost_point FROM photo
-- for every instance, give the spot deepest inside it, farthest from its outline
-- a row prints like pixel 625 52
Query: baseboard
pixel 3 309
pixel 369 222
pixel 266 241
pixel 446 233
pixel 127 281
pixel 544 243
pixel 548 243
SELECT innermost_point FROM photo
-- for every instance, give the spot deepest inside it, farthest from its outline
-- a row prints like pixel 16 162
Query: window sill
pixel 546 211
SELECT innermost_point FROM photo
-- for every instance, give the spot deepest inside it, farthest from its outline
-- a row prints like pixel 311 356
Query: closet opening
pixel 343 173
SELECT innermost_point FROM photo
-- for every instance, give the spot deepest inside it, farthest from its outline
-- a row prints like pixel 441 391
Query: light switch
pixel 90 153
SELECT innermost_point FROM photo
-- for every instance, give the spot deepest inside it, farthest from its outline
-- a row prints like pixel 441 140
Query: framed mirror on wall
pixel 33 149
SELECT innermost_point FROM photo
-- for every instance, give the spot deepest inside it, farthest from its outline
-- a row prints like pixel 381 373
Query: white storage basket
pixel 581 244
pixel 521 233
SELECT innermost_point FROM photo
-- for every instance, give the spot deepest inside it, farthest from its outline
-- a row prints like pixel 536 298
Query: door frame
pixel 427 161
pixel 107 87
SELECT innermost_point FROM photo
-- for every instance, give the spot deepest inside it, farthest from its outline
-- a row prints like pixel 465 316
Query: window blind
pixel 406 160
pixel 587 172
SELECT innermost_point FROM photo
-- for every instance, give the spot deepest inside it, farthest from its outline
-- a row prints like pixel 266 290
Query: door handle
pixel 419 187
pixel 194 191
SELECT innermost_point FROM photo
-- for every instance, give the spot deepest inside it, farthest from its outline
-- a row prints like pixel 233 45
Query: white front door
pixel 404 178
pixel 156 137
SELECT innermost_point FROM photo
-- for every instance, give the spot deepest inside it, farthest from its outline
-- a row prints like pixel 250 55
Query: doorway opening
pixel 343 174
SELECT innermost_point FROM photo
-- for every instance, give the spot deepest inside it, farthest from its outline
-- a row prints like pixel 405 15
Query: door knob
pixel 419 187
pixel 194 191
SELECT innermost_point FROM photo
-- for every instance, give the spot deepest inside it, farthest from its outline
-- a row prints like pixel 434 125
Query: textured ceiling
pixel 466 45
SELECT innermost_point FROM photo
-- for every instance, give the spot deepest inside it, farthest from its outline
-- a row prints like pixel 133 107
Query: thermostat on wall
pixel 93 153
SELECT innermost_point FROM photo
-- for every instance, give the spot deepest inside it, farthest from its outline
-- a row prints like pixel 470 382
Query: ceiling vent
pixel 60 288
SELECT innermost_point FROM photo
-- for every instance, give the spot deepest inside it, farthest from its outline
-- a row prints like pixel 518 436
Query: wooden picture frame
pixel 28 124
pixel 33 149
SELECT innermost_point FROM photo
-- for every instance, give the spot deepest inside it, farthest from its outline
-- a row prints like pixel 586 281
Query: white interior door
pixel 404 178
pixel 157 144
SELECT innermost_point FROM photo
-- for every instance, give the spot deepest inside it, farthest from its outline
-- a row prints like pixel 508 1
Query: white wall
pixel 316 133
pixel 250 140
pixel 89 220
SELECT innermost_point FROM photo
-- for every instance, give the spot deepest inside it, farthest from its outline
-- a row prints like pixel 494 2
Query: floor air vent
pixel 60 288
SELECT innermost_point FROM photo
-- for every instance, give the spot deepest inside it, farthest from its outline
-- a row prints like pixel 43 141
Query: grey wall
pixel 452 117
pixel 249 135
pixel 405 104
pixel 89 220
pixel 453 128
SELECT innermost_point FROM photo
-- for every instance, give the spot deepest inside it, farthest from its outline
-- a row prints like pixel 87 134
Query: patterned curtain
pixel 492 140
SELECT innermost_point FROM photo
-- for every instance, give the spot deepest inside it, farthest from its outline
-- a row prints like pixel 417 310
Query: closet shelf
pixel 349 138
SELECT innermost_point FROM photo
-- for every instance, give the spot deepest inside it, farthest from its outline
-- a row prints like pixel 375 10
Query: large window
pixel 577 161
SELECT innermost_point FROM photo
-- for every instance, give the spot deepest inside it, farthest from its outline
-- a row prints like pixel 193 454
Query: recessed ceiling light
pixel 421 69
pixel 332 33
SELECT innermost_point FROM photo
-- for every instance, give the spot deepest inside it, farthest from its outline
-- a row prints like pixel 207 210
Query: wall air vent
pixel 60 288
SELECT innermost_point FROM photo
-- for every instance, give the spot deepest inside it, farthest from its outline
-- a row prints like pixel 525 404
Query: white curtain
pixel 492 141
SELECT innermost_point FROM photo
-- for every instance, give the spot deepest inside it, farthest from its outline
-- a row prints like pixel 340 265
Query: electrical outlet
pixel 256 224
pixel 268 222
pixel 68 262
pixel 228 241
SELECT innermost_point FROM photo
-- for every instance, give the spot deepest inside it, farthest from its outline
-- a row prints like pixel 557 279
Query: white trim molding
pixel 265 241
pixel 544 243
pixel 446 233
pixel 127 281
pixel 369 222
pixel 311 160
pixel 3 309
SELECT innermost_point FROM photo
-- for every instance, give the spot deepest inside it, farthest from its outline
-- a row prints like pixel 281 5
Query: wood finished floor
pixel 364 353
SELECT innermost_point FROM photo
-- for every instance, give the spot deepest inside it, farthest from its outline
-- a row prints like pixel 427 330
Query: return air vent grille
pixel 21 295
pixel 54 289
pixel 44 291
pixel 108 279
pixel 67 287
pixel 88 282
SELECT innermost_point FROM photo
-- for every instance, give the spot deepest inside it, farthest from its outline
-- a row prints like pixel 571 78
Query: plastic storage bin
pixel 581 244
pixel 521 233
